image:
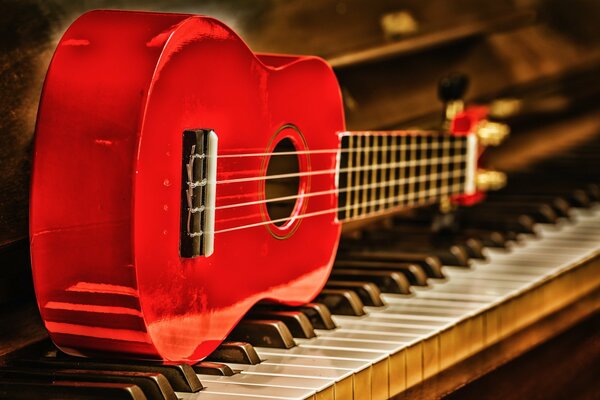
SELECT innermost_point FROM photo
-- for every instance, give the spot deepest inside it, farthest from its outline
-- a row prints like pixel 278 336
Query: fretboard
pixel 380 171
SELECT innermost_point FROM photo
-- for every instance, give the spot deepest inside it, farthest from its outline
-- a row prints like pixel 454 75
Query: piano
pixel 497 300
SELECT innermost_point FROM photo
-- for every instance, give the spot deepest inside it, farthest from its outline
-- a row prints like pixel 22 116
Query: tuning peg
pixel 505 108
pixel 451 90
pixel 492 133
pixel 490 180
pixel 453 87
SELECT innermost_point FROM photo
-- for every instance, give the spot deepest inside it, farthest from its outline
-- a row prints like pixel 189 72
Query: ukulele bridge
pixel 198 185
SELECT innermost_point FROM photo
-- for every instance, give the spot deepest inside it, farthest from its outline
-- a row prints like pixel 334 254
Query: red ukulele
pixel 180 178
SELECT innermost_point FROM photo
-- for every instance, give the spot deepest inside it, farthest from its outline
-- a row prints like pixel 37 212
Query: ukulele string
pixel 446 190
pixel 412 163
pixel 328 151
pixel 374 185
pixel 414 198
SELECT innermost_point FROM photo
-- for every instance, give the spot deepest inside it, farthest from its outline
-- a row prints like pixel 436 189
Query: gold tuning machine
pixel 490 180
pixel 505 107
pixel 492 133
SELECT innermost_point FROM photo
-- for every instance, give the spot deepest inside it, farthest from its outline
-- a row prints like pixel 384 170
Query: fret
pixel 387 194
pixel 374 164
pixel 434 153
pixel 379 172
pixel 379 145
pixel 358 153
pixel 401 170
pixel 346 161
pixel 446 153
pixel 424 168
pixel 458 146
pixel 393 157
pixel 365 175
pixel 355 162
pixel 412 170
pixel 356 198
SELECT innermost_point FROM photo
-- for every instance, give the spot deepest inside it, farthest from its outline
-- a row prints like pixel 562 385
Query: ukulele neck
pixel 381 171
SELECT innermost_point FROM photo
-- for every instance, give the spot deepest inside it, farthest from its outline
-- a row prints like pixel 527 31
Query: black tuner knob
pixel 453 87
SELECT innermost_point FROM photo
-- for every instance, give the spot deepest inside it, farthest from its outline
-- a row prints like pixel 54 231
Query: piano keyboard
pixel 406 305
pixel 413 337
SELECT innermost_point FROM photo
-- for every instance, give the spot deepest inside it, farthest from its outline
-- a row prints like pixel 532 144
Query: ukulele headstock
pixel 475 122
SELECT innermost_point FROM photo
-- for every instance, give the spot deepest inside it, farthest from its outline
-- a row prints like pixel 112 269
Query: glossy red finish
pixel 105 203
pixel 465 122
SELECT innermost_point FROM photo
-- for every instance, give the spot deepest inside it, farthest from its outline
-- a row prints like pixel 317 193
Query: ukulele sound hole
pixel 281 192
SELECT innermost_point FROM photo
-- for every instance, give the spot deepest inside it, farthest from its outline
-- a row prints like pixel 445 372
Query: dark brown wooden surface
pixel 537 362
pixel 566 367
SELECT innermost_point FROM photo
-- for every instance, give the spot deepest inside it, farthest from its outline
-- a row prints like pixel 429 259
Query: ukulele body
pixel 107 184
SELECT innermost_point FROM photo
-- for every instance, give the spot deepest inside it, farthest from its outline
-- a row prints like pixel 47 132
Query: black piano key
pixel 413 272
pixel 263 333
pixel 430 264
pixel 342 302
pixel 386 281
pixel 451 254
pixel 473 246
pixel 489 238
pixel 319 315
pixel 367 291
pixel 512 226
pixel 154 386
pixel 576 197
pixel 298 324
pixel 558 204
pixel 423 233
pixel 540 213
pixel 593 191
pixel 181 377
pixel 235 352
pixel 213 368
pixel 521 183
pixel 59 390
pixel 455 254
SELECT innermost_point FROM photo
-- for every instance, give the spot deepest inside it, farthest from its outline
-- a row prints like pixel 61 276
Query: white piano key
pixel 299 371
pixel 492 274
pixel 400 325
pixel 464 288
pixel 422 315
pixel 320 362
pixel 210 395
pixel 343 333
pixel 482 281
pixel 433 294
pixel 400 300
pixel 300 351
pixel 349 326
pixel 222 385
pixel 418 309
pixel 310 384
pixel 331 342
